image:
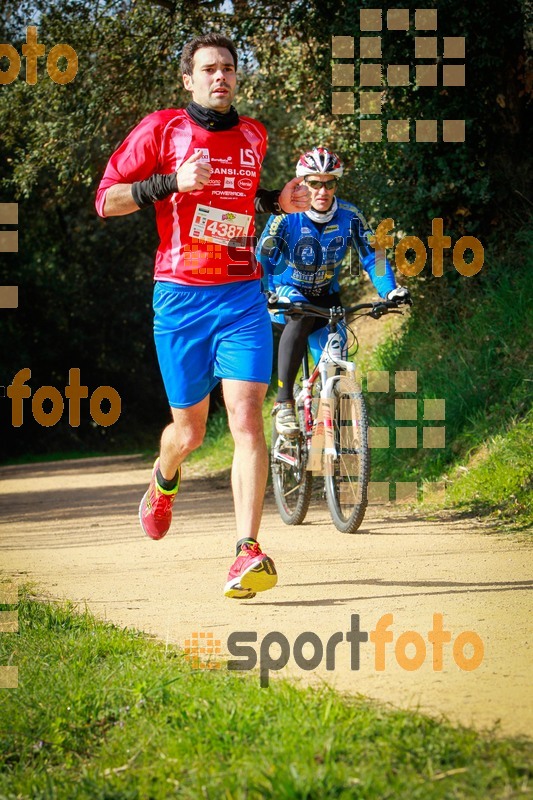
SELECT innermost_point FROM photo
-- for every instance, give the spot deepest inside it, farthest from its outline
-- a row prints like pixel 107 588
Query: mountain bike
pixel 333 438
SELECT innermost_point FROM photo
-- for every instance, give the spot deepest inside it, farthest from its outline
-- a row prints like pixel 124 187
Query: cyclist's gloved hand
pixel 275 300
pixel 400 295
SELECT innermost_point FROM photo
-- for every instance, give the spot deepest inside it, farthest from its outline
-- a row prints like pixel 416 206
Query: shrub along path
pixel 72 527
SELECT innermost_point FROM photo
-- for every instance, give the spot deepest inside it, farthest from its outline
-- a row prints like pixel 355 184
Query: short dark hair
pixel 207 40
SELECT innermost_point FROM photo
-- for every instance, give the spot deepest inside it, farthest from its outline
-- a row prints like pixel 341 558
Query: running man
pixel 200 168
pixel 302 255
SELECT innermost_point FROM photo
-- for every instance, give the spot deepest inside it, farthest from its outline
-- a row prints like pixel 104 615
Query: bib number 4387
pixel 219 225
pixel 224 230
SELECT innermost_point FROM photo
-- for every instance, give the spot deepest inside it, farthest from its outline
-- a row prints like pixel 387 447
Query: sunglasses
pixel 322 184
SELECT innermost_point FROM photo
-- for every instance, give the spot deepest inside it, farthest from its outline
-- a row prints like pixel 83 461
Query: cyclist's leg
pixel 319 336
pixel 319 333
pixel 291 350
pixel 292 343
pixel 317 340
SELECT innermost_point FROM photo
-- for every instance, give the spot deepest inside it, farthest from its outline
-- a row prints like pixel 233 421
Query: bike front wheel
pixel 291 481
pixel 347 472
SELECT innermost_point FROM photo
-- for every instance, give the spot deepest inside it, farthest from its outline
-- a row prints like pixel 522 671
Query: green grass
pixel 470 344
pixel 107 714
pixel 498 480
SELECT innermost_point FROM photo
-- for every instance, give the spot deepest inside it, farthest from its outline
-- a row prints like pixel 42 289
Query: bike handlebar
pixel 291 308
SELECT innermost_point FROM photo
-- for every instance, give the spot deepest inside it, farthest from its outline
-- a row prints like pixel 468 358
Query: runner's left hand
pixel 295 197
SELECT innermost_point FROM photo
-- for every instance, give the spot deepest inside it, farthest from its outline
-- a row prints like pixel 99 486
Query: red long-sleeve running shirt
pixel 195 228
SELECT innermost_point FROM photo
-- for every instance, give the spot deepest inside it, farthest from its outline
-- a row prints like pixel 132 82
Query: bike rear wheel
pixel 291 481
pixel 347 474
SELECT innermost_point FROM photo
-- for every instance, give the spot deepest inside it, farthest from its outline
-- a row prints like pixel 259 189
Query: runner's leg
pixel 244 401
pixel 184 434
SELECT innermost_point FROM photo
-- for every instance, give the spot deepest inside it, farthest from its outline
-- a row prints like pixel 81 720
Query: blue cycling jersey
pixel 294 251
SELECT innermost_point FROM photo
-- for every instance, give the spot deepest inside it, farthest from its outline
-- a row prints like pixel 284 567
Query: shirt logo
pixel 247 157
pixel 204 151
pixel 229 183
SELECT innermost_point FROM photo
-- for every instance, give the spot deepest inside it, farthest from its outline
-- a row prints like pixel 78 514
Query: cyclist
pixel 301 256
pixel 200 168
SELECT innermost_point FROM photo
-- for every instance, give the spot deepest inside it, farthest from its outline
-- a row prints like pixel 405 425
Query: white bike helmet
pixel 319 161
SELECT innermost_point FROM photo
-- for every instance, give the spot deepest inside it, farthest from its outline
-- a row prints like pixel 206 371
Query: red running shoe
pixel 155 510
pixel 252 571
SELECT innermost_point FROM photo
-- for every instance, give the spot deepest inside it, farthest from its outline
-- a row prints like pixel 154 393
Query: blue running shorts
pixel 206 333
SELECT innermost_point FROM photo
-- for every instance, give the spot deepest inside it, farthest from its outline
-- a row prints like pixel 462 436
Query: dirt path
pixel 74 529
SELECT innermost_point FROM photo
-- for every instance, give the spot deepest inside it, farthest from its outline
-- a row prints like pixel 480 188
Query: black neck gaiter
pixel 212 120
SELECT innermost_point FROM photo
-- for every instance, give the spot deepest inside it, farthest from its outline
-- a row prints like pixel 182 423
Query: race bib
pixel 217 225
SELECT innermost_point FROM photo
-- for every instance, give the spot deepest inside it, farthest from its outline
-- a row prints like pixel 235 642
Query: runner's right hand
pixel 193 173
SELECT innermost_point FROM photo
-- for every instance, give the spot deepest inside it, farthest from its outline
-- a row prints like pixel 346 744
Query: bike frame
pixel 331 355
pixel 332 442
